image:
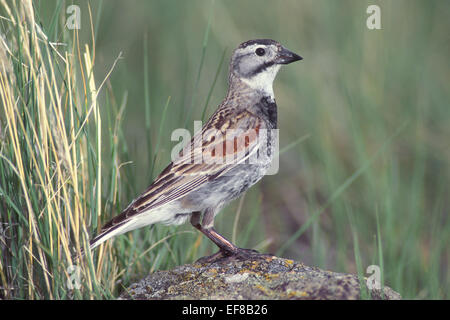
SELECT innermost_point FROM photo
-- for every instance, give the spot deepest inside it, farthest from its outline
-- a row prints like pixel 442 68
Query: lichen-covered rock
pixel 258 277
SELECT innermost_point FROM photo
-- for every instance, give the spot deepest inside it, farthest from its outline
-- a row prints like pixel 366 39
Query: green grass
pixel 364 161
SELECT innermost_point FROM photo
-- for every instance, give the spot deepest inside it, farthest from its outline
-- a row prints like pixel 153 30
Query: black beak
pixel 285 57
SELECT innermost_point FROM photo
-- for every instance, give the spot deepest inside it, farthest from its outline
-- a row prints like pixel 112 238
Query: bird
pixel 232 152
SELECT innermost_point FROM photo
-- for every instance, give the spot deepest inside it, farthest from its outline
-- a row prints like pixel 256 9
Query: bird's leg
pixel 207 229
pixel 227 248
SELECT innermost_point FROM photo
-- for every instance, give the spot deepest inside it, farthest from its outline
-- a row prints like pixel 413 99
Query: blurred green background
pixel 374 105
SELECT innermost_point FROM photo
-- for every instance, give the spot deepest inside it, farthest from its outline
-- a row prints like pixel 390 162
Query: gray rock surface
pixel 257 277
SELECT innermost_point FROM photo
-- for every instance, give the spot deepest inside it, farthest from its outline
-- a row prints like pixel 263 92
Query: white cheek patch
pixel 263 81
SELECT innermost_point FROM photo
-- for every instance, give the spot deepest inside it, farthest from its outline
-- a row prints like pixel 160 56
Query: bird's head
pixel 256 63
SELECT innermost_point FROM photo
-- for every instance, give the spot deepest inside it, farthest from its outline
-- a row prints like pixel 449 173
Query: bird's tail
pixel 106 233
pixel 109 232
pixel 122 224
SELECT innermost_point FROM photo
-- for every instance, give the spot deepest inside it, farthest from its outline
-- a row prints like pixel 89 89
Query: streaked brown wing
pixel 199 161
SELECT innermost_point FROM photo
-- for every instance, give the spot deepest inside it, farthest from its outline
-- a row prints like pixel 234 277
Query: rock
pixel 256 277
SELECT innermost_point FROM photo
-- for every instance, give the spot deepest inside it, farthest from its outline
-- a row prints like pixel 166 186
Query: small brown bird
pixel 231 153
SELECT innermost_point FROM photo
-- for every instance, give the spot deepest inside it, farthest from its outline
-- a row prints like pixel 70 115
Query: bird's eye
pixel 260 51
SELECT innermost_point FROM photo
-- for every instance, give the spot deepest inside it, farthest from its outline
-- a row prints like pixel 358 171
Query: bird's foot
pixel 237 254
